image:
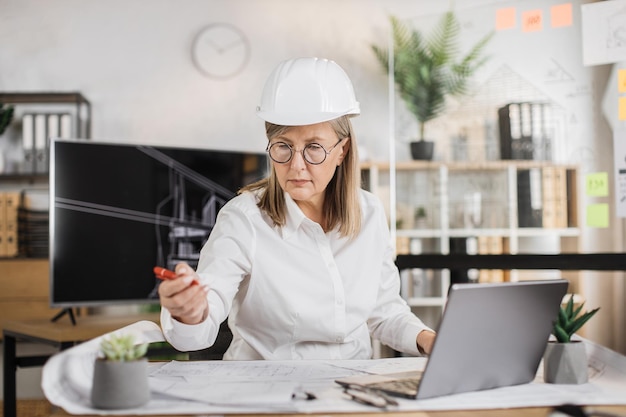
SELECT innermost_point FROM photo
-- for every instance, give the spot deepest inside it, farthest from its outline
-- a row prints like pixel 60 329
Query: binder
pixel 496 247
pixel 11 204
pixel 459 245
pixel 41 159
pixel 65 126
pixel 3 219
pixel 560 197
pixel 549 215
pixel 523 131
pixel 484 275
pixel 28 143
pixel 529 198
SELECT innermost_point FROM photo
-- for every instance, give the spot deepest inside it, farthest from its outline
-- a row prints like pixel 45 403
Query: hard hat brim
pixel 299 119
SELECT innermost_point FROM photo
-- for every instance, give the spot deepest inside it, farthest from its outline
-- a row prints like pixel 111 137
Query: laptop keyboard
pixel 401 387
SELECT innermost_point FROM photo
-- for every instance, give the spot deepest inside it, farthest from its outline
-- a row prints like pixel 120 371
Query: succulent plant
pixel 122 348
pixel 570 320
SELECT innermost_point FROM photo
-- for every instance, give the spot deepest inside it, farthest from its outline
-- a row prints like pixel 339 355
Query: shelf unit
pixel 470 206
pixel 82 106
pixel 27 278
pixel 68 113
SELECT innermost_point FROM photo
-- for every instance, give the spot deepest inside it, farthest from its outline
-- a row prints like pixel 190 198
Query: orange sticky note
pixel 622 108
pixel 505 18
pixel 532 21
pixel 561 15
pixel 621 81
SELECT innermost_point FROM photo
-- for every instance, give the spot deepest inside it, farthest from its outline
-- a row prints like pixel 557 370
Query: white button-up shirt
pixel 296 292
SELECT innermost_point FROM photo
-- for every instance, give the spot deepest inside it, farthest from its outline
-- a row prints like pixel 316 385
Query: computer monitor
pixel 117 210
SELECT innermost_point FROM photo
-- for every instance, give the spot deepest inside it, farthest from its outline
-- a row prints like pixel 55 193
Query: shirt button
pixel 340 302
pixel 338 339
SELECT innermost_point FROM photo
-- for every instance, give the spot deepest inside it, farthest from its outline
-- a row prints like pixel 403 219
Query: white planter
pixel 118 385
pixel 565 363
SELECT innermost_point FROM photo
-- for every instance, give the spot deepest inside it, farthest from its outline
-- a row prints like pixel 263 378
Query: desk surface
pixel 62 330
pixel 510 412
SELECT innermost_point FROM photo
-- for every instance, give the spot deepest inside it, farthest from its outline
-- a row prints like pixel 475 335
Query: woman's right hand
pixel 186 302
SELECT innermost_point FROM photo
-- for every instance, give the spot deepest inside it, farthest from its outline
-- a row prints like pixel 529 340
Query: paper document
pixel 229 387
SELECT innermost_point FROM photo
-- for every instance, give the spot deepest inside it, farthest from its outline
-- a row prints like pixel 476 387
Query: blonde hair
pixel 341 203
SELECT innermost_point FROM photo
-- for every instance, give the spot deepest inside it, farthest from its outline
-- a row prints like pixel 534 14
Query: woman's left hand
pixel 425 340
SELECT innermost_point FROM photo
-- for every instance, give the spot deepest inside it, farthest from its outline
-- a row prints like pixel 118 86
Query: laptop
pixel 490 335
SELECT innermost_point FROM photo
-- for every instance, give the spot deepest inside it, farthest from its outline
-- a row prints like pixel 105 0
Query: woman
pixel 300 262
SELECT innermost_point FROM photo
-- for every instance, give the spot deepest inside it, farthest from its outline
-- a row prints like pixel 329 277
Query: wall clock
pixel 221 50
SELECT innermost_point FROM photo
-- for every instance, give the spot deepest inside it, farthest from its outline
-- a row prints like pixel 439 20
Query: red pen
pixel 163 273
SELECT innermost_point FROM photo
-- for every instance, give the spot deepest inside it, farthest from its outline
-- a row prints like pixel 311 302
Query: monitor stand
pixel 69 311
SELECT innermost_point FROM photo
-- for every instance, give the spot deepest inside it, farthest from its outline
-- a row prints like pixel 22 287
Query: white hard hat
pixel 305 91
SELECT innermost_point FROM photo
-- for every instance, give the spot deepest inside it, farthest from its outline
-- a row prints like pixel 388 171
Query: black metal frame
pixel 563 261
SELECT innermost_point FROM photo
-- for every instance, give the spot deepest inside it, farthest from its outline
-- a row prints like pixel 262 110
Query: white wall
pixel 132 60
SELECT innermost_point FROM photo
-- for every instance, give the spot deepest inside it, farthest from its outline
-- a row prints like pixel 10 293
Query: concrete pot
pixel 118 385
pixel 565 363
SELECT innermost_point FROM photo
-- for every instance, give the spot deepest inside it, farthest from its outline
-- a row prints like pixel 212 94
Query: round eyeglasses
pixel 313 153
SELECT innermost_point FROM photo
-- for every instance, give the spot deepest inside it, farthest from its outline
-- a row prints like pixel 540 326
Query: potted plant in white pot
pixel 120 378
pixel 565 360
pixel 426 71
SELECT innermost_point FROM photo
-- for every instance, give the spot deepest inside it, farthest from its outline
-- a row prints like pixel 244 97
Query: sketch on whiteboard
pixel 616 27
pixel 604 46
pixel 557 73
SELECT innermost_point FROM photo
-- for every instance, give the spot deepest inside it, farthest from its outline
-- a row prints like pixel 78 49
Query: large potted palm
pixel 426 71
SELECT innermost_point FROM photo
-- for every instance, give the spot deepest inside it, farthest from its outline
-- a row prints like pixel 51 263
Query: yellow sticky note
pixel 621 80
pixel 622 108
pixel 561 15
pixel 532 21
pixel 598 215
pixel 597 184
pixel 505 18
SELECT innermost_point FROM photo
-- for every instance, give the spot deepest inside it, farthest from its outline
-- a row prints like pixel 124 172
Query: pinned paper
pixel 602 24
pixel 561 15
pixel 598 215
pixel 532 21
pixel 619 170
pixel 622 108
pixel 597 184
pixel 505 18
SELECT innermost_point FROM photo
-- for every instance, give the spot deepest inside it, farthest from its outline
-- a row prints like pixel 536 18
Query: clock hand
pixel 232 44
pixel 215 46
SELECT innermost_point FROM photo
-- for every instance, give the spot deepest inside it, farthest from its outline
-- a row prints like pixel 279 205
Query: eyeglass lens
pixel 313 153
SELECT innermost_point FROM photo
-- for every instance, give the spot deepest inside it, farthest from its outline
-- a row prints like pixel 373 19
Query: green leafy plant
pixel 426 69
pixel 122 348
pixel 6 116
pixel 570 320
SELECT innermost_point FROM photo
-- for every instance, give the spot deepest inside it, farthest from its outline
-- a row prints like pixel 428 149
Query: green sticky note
pixel 598 215
pixel 597 184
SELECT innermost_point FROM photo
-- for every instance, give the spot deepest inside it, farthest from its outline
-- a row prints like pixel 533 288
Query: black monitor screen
pixel 118 210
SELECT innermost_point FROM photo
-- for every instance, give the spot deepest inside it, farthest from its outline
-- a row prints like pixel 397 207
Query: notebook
pixel 490 335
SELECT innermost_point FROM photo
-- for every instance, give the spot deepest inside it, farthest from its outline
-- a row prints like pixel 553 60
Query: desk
pixel 61 334
pixel 216 386
pixel 510 412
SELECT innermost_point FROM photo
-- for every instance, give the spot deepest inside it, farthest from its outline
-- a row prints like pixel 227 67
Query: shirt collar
pixel 294 219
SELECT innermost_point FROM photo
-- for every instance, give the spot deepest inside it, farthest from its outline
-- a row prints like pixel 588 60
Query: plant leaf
pixel 561 335
pixel 580 321
pixel 426 70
